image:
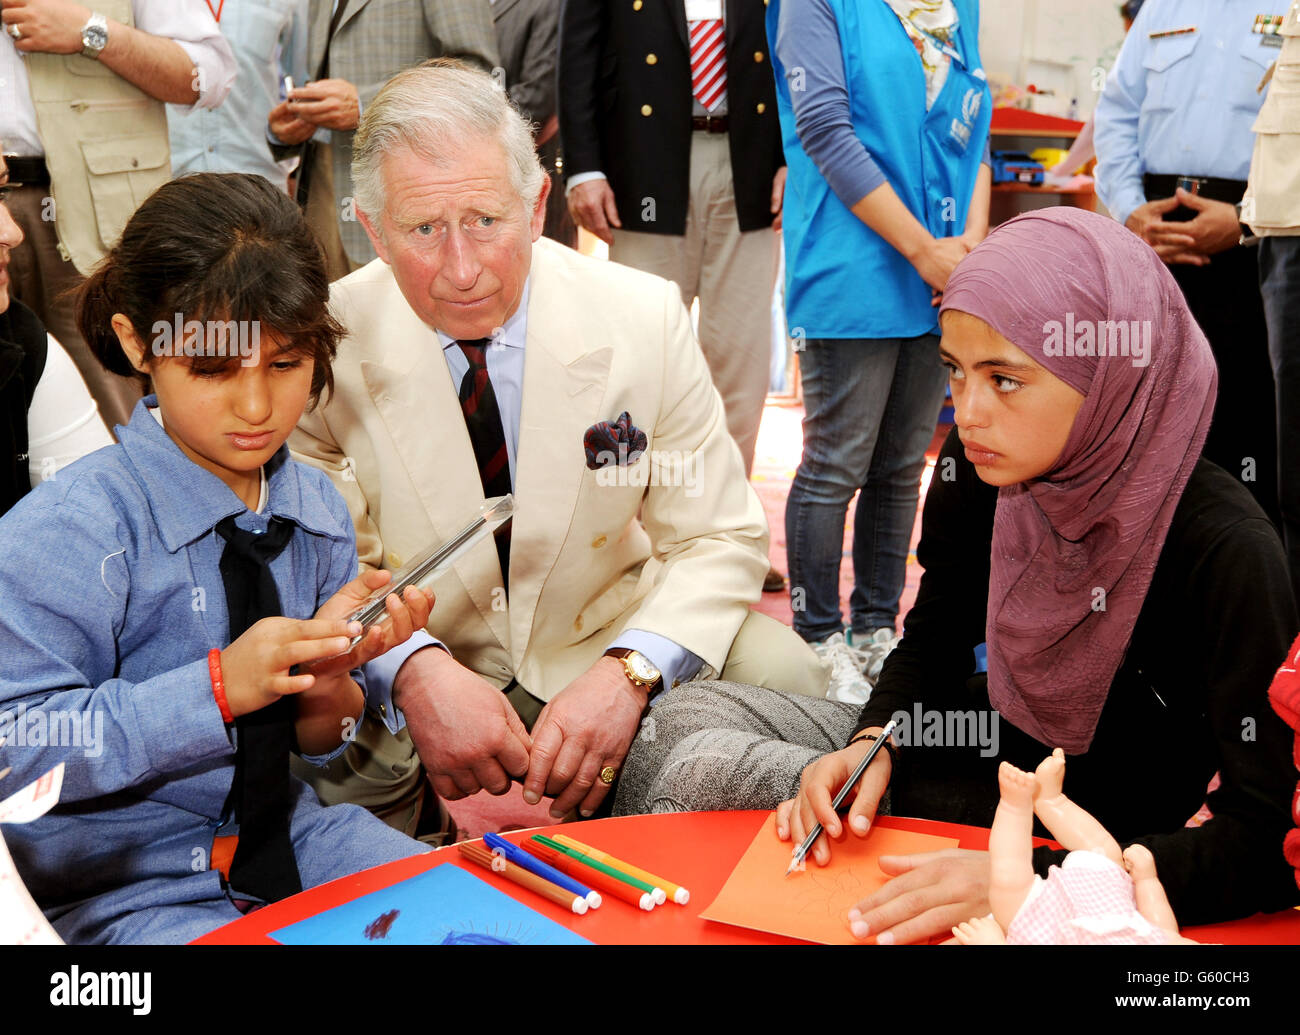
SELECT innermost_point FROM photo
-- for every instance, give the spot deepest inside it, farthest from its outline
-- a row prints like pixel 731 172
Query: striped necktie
pixel 708 62
pixel 478 402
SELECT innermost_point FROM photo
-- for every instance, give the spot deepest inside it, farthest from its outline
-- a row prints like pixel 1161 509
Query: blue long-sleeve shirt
pixel 110 598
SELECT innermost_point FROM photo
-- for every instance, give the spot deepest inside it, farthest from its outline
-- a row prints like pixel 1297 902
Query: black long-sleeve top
pixel 1189 700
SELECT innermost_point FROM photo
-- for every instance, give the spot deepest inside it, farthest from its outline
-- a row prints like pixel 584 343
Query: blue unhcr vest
pixel 843 280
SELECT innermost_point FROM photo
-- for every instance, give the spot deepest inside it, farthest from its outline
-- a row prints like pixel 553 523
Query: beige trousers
pixel 731 273
pixel 381 771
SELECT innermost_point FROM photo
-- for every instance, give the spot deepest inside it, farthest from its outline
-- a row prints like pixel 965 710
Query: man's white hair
pixel 432 110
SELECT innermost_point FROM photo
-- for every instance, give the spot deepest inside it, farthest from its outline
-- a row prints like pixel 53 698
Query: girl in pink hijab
pixel 1133 599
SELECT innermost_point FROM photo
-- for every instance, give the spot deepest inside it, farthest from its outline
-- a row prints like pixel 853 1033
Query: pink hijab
pixel 1074 550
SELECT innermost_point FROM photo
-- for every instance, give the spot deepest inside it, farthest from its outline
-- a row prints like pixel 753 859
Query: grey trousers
pixel 715 745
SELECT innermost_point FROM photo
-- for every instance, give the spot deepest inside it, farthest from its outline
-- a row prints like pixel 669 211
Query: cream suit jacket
pixel 591 553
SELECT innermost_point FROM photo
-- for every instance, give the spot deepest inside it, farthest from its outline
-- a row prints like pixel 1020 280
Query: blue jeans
pixel 870 408
pixel 1279 281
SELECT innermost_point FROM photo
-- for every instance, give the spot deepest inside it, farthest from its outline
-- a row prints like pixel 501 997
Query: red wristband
pixel 218 687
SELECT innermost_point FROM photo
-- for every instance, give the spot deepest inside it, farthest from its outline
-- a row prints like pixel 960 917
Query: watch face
pixel 94 37
pixel 641 668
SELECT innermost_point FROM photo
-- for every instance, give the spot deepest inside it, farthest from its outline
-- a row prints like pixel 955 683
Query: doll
pixel 1100 895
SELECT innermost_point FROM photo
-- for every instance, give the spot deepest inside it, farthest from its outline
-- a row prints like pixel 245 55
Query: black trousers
pixel 1225 300
pixel 1279 271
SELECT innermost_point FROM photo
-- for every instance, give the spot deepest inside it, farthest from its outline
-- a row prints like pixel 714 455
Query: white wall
pixel 1063 45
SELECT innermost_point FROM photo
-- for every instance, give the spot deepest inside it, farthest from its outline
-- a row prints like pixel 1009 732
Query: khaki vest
pixel 105 145
pixel 1272 201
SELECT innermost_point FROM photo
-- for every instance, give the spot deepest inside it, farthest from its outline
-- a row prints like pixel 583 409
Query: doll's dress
pixel 1087 900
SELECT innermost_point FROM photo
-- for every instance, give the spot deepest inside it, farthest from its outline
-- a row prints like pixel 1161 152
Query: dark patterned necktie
pixel 478 402
pixel 264 863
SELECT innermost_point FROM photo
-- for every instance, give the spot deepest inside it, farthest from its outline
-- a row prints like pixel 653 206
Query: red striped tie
pixel 708 62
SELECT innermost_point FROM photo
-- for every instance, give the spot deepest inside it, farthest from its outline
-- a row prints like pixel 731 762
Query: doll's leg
pixel 1076 829
pixel 1011 844
pixel 979 930
pixel 1147 889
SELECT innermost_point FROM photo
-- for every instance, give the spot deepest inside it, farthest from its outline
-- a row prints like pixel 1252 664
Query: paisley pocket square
pixel 613 442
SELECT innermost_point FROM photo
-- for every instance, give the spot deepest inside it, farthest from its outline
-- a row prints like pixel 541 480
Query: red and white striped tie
pixel 708 62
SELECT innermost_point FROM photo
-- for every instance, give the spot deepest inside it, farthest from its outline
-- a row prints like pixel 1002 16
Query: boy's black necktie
pixel 478 402
pixel 264 864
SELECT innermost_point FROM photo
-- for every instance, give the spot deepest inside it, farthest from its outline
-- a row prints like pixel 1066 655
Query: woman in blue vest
pixel 885 115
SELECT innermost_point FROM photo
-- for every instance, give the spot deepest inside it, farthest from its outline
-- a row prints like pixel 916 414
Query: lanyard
pixel 216 13
pixel 946 48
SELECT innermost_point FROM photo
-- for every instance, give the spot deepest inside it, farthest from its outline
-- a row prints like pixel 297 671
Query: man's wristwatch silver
pixel 638 668
pixel 94 36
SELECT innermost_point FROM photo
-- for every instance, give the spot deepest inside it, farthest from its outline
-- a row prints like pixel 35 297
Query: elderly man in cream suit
pixel 621 579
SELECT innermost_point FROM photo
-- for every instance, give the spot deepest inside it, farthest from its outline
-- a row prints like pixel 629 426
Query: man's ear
pixel 539 210
pixel 376 239
pixel 130 342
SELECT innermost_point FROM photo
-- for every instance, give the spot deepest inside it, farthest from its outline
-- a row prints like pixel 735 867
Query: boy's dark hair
pixel 213 246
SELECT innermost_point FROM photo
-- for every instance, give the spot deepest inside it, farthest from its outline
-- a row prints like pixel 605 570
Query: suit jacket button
pixel 636 4
pixel 394 559
pixel 577 623
pixel 650 59
pixel 760 107
pixel 646 109
pixel 598 542
pixel 758 56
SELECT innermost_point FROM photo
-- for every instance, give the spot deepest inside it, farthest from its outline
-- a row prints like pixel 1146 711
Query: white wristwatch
pixel 94 36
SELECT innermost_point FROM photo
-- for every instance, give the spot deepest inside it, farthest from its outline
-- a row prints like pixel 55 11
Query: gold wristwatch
pixel 638 668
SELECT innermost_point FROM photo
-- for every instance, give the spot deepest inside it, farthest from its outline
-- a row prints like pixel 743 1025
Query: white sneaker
pixel 873 650
pixel 847 683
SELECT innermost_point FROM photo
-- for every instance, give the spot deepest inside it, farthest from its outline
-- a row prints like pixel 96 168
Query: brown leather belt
pixel 709 123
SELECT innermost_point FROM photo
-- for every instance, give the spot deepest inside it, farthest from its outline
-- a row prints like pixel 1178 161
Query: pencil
pixel 602 881
pixel 801 852
pixel 504 868
pixel 678 894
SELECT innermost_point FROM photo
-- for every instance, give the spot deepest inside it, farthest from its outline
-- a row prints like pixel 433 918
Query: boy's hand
pixel 255 668
pixel 405 615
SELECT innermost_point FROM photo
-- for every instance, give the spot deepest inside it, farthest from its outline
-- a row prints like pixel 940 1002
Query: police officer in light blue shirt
pixel 269 39
pixel 1174 141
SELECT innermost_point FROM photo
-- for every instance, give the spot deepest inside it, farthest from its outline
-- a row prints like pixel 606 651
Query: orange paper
pixel 811 903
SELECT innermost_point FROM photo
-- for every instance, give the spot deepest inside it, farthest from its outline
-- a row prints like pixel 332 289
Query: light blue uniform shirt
pixel 1182 104
pixel 111 597
pixel 269 38
pixel 505 365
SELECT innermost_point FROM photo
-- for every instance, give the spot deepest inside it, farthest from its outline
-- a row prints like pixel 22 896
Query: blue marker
pixel 513 853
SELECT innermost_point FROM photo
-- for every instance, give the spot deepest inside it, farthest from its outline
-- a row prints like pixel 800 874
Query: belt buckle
pixel 1191 184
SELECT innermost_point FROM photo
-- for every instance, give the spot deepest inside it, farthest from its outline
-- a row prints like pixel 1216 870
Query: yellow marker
pixel 679 894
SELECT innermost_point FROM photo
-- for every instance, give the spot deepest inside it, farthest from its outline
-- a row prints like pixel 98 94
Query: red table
pixel 697 850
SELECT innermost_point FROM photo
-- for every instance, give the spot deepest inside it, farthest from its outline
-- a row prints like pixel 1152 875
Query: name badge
pixel 702 10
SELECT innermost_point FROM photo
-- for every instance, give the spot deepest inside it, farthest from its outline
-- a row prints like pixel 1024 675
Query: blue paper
pixel 443 906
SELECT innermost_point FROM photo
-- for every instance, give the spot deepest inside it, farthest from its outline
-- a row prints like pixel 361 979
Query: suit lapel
pixel 564 387
pixel 500 7
pixel 354 6
pixel 420 408
pixel 677 9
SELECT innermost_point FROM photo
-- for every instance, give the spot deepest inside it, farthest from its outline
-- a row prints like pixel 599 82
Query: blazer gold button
pixel 646 109
pixel 636 4
pixel 598 542
pixel 577 623
pixel 650 59
pixel 394 559
pixel 760 107
pixel 758 56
